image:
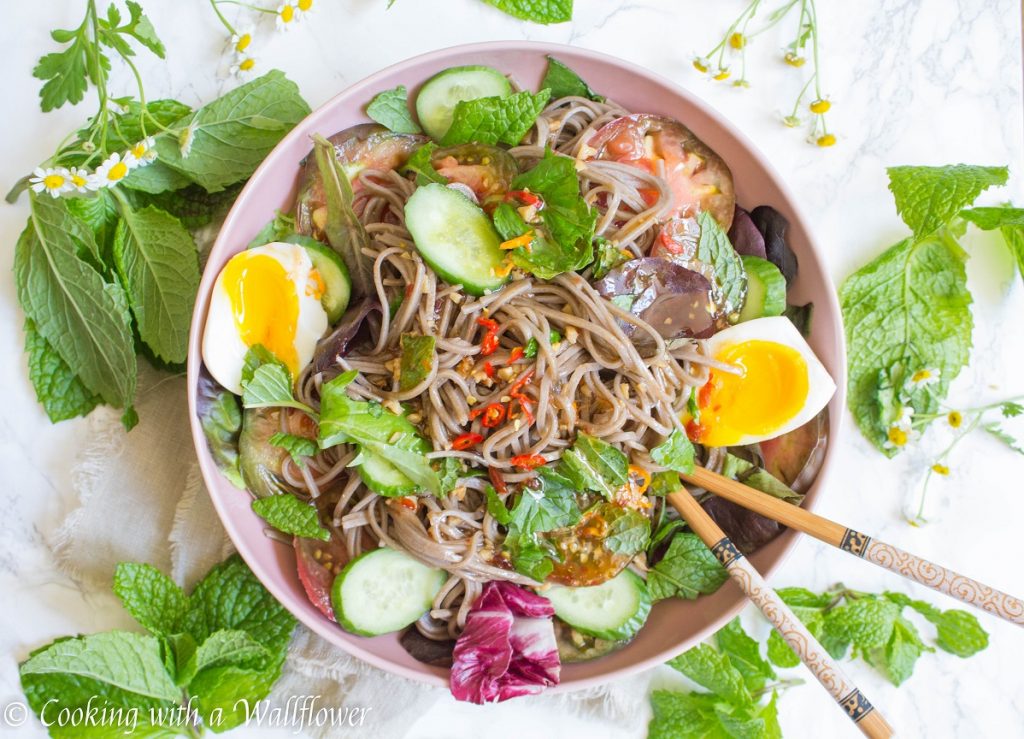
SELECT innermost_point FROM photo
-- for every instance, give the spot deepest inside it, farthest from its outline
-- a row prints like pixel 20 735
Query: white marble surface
pixel 928 81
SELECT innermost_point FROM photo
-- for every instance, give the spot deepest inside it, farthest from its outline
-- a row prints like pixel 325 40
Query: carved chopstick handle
pixel 934 576
pixel 796 635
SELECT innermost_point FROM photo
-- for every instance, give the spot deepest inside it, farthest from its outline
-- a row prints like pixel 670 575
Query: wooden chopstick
pixel 811 653
pixel 861 545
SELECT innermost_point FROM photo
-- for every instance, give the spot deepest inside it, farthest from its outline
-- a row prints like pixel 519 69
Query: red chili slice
pixel 528 461
pixel 465 441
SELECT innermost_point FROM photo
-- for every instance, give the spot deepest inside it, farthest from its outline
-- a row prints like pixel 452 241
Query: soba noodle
pixel 595 379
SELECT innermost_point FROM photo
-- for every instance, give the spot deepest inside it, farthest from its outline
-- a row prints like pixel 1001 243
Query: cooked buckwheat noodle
pixel 594 380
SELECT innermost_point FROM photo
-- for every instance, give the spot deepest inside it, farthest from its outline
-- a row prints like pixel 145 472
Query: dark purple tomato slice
pixel 699 178
pixel 366 146
pixel 318 562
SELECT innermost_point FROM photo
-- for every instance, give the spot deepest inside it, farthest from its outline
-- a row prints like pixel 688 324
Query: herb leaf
pixel 1009 220
pixel 538 11
pixel 564 82
pixel 153 599
pixel 594 464
pixel 82 318
pixel 292 516
pixel 745 655
pixel 421 162
pixel 1004 436
pixel 417 360
pixel 687 570
pixel 64 73
pixel 158 264
pixel 271 386
pixel 676 453
pixel 713 670
pixel 60 391
pixel 233 134
pixel 297 447
pixel 928 198
pixel 495 120
pixel 908 310
pixel 628 533
pixel 715 249
pixel 391 109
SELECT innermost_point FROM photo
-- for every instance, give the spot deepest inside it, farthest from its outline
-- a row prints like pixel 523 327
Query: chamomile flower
pixel 304 8
pixel 185 139
pixel 902 430
pixel 113 170
pixel 905 420
pixel 244 65
pixel 143 152
pixel 286 17
pixel 701 64
pixel 940 469
pixel 923 378
pixel 54 180
pixel 80 179
pixel 241 41
pixel 955 419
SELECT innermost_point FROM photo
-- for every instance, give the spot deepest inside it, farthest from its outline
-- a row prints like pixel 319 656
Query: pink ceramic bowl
pixel 673 625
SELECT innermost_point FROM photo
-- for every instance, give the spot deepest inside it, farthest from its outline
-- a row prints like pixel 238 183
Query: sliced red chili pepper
pixel 517 353
pixel 528 461
pixel 489 345
pixel 500 486
pixel 518 384
pixel 488 369
pixel 525 403
pixel 524 196
pixel 488 323
pixel 465 441
pixel 493 414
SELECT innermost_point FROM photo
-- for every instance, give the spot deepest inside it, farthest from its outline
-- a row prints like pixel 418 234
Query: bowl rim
pixel 426 673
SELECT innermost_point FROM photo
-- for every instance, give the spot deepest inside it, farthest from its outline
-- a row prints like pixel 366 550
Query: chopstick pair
pixel 811 653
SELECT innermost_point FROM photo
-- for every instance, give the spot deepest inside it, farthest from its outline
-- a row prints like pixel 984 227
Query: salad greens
pixel 224 643
pixel 538 11
pixel 715 249
pixel 687 569
pixel 391 109
pixel 292 516
pixel 676 453
pixel 416 361
pixel 594 464
pixel 564 82
pixel 420 163
pixel 298 447
pixel 495 120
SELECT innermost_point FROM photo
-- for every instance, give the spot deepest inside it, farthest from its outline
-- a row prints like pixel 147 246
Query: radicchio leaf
pixel 508 647
pixel 336 343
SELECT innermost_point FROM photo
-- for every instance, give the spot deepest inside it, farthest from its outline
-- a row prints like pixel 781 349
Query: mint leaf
pixel 1010 222
pixel 928 198
pixel 101 215
pixel 551 505
pixel 959 633
pixel 685 716
pixel 158 264
pixel 233 134
pixel 495 120
pixel 908 310
pixel 292 516
pixel 563 82
pixel 496 507
pixel 1014 238
pixel 563 240
pixel 271 386
pixel 128 662
pixel 60 391
pixel 298 447
pixel 629 532
pixel 713 670
pixel 676 453
pixel 745 655
pixel 391 109
pixel 866 623
pixel 687 570
pixel 1004 436
pixel 594 464
pixel 128 128
pixel 664 483
pixel 421 163
pixel 901 653
pixel 153 599
pixel 82 318
pixel 229 647
pixel 538 11
pixel 730 279
pixel 225 694
pixel 781 654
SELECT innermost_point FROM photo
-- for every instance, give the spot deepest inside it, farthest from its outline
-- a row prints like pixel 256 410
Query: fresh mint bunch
pixel 224 643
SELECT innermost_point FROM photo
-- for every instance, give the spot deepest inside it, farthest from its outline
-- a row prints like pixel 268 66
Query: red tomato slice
pixel 317 563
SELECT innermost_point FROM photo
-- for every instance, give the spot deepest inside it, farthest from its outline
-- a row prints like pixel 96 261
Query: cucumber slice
pixel 456 238
pixel 442 92
pixel 331 267
pixel 614 610
pixel 383 591
pixel 381 476
pixel 766 289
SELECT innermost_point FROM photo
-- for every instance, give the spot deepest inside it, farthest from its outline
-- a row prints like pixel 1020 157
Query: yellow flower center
pixel 118 171
pixel 700 66
pixel 53 181
pixel 794 61
pixel 139 150
pixel 77 180
pixel 243 42
pixel 287 13
pixel 247 64
pixel 897 436
pixel 955 419
pixel 820 106
pixel 722 74
pixel 737 41
pixel 305 5
pixel 940 469
pixel 921 375
pixel 826 140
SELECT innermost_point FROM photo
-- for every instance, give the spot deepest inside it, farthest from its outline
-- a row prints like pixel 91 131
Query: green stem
pixel 250 6
pixel 223 20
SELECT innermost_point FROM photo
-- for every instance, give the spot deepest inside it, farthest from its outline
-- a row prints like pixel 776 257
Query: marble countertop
pixel 913 82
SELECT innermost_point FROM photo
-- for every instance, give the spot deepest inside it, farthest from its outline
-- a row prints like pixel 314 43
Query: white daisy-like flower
pixel 244 66
pixel 287 18
pixel 113 170
pixel 143 152
pixel 905 420
pixel 305 7
pixel 80 179
pixel 923 378
pixel 54 180
pixel 241 40
pixel 185 139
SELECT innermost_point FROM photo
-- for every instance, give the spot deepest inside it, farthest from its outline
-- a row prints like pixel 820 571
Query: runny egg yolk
pixel 264 304
pixel 770 390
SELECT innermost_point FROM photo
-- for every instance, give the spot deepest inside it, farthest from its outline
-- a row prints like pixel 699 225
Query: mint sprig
pixel 391 109
pixel 287 513
pixel 223 645
pixel 495 120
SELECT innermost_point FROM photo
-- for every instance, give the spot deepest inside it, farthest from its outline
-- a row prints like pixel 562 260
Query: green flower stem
pixel 250 6
pixel 223 20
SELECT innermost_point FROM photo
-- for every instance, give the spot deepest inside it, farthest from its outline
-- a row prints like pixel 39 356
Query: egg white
pixel 224 350
pixel 780 330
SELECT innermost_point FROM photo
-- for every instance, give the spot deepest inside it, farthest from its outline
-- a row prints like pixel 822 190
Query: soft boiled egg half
pixel 267 295
pixel 775 384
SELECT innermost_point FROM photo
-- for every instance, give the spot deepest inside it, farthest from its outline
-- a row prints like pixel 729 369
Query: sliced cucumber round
pixel 456 238
pixel 442 92
pixel 614 610
pixel 766 289
pixel 331 267
pixel 384 478
pixel 383 591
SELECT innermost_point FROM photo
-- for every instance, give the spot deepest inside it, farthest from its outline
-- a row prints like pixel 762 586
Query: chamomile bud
pixel 700 64
pixel 825 140
pixel 737 41
pixel 791 121
pixel 820 106
pixel 794 60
